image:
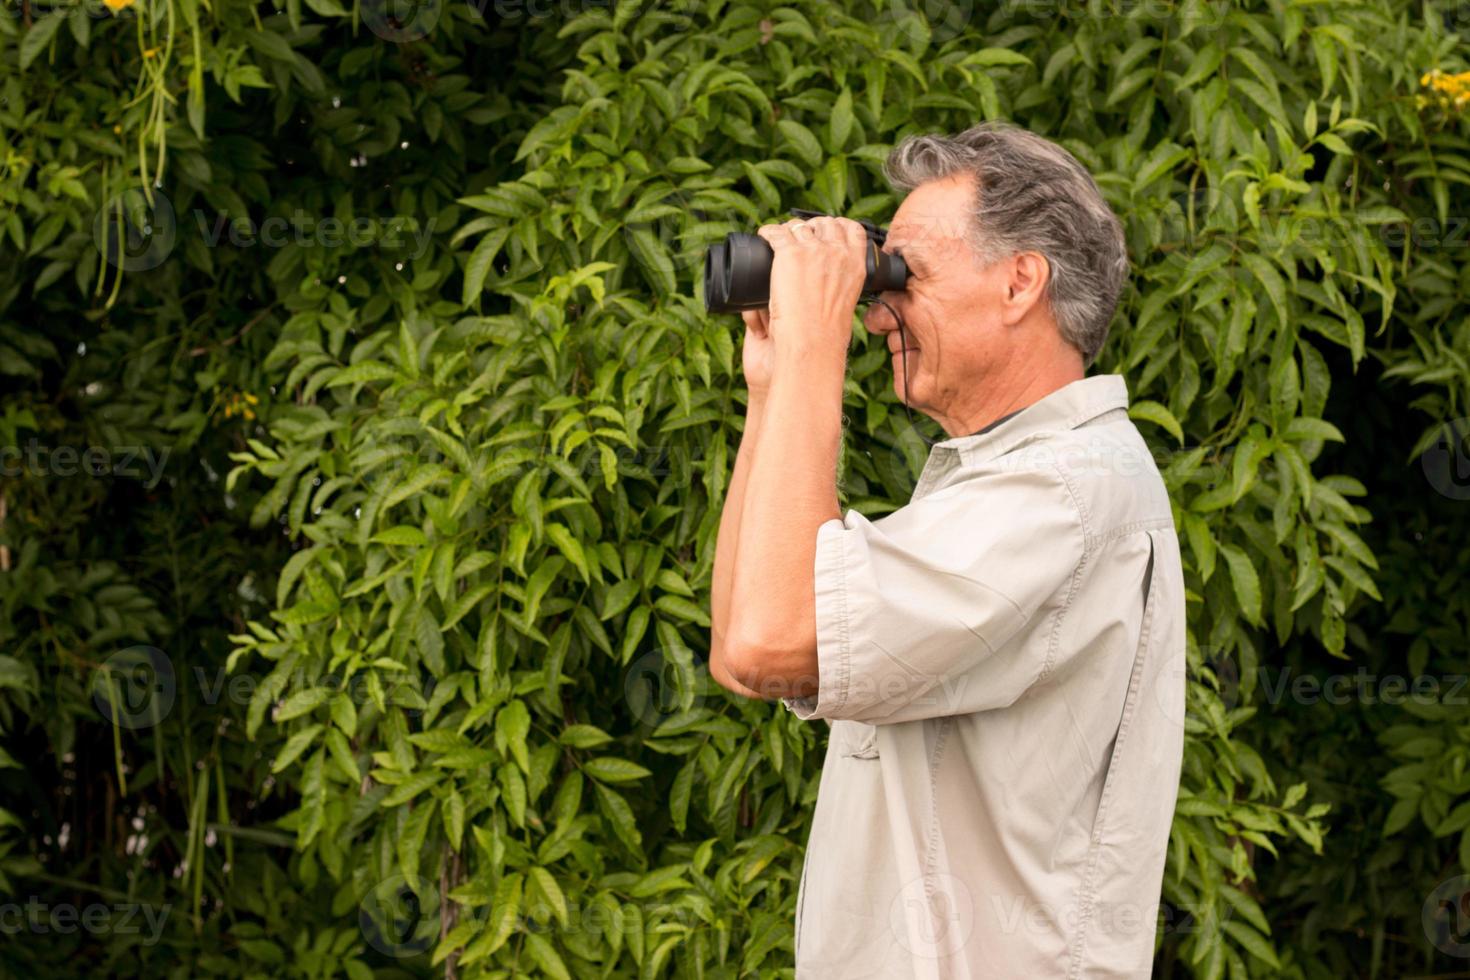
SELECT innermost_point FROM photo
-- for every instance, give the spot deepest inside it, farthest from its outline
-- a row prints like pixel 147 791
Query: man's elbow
pixel 772 665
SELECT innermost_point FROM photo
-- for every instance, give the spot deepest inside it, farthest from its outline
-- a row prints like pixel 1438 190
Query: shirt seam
pixel 1151 524
pixel 1094 850
pixel 931 847
pixel 1054 640
pixel 844 659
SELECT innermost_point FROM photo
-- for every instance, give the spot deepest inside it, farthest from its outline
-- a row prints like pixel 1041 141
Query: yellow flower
pixel 116 5
pixel 1449 91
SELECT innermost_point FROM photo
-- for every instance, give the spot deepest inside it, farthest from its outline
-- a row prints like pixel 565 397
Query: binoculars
pixel 737 272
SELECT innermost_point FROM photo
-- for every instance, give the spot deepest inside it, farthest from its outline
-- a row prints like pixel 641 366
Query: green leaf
pixel 800 139
pixel 545 956
pixel 611 770
pixel 302 702
pixel 840 125
pixel 1246 582
pixel 410 788
pixel 295 745
pixel 584 736
pixel 1156 413
pixel 401 535
pixel 477 267
pixel 36 40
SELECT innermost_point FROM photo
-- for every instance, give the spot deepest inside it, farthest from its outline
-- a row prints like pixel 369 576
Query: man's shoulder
pixel 1108 470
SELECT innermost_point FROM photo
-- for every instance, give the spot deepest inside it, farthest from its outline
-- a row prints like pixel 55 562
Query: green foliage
pixel 408 308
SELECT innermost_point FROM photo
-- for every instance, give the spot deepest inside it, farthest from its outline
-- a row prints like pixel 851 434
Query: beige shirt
pixel 1002 665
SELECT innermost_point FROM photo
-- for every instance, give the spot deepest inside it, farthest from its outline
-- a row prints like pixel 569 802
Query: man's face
pixel 951 307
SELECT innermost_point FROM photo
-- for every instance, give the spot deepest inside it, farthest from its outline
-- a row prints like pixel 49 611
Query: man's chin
pixel 912 400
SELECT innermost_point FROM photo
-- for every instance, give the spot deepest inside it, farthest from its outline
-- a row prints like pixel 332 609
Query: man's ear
pixel 1025 286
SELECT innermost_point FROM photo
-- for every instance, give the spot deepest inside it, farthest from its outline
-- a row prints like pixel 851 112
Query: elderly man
pixel 1001 661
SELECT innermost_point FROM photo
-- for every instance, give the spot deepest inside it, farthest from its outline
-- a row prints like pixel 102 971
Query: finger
pixel 777 236
pixel 755 321
pixel 811 229
pixel 827 228
pixel 851 232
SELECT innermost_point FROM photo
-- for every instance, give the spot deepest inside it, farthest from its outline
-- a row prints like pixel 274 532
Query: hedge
pixel 371 637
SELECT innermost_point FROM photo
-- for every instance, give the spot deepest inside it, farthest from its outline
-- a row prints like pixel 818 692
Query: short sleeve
pixel 929 611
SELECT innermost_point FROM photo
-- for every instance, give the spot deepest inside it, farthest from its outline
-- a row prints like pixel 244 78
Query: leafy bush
pixel 400 307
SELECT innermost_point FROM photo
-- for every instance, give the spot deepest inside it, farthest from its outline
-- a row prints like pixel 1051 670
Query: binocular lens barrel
pixel 737 273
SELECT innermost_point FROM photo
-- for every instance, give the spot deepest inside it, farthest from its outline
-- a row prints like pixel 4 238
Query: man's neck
pixel 1019 392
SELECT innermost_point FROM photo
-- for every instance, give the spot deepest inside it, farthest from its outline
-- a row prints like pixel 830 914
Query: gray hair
pixel 1032 196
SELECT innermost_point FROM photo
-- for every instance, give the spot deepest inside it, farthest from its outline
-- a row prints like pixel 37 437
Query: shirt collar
pixel 1068 407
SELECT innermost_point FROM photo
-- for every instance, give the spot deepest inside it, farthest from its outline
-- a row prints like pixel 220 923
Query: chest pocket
pixel 855 739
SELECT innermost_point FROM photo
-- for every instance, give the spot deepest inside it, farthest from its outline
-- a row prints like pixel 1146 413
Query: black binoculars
pixel 737 272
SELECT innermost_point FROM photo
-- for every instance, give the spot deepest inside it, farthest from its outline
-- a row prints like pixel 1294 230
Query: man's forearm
pixel 792 491
pixel 727 544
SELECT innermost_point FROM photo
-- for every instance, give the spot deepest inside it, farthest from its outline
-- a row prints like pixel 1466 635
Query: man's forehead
pixel 920 226
pixel 936 211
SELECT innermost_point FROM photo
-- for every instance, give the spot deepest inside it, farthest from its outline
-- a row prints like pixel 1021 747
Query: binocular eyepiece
pixel 737 272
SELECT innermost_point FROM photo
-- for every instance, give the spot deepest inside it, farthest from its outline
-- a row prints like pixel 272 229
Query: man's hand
pixel 816 279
